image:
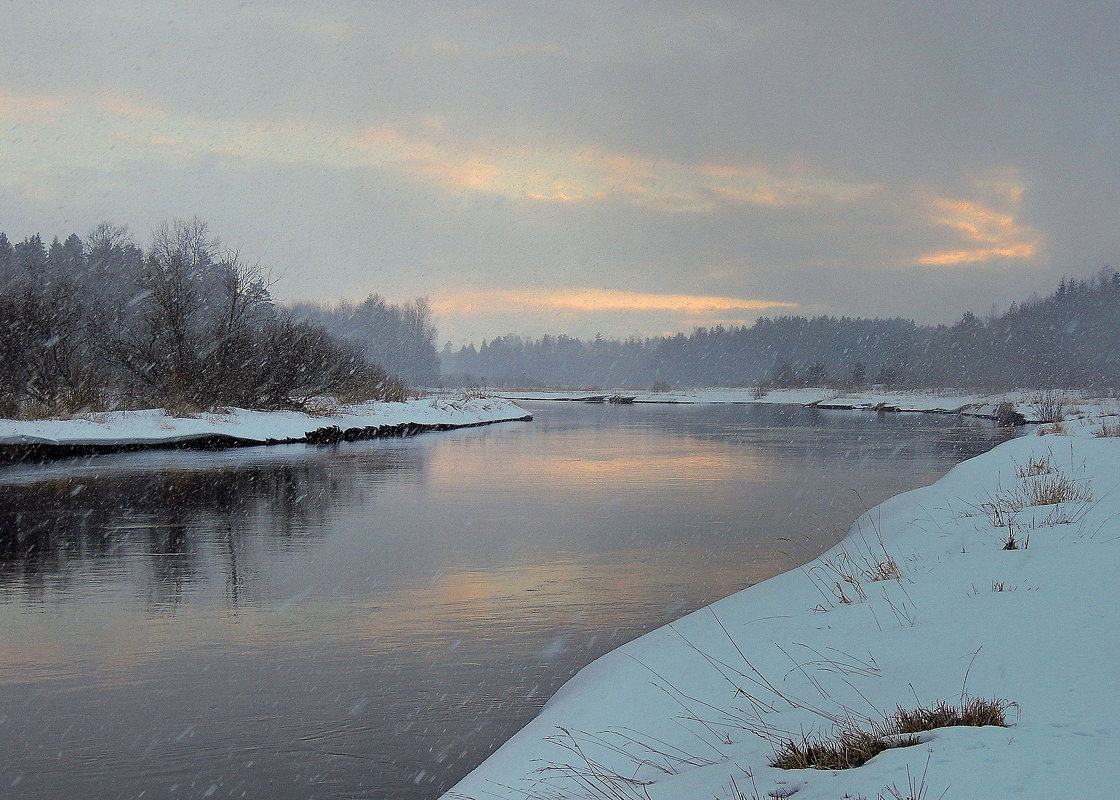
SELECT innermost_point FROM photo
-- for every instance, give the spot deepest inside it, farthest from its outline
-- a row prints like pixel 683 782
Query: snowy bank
pixel 945 401
pixel 921 603
pixel 238 427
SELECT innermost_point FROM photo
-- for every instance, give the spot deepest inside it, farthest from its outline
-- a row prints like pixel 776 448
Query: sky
pixel 618 168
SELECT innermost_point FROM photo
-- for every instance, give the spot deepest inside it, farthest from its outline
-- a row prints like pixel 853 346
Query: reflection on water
pixel 371 620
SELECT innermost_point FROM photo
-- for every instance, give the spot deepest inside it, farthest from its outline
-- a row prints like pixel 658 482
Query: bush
pixel 1048 405
pixel 186 327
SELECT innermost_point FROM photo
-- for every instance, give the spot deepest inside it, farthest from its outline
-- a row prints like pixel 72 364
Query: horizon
pixel 564 299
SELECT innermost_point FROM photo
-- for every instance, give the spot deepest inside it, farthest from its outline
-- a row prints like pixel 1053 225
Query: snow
pixel 685 397
pixel 157 427
pixel 1034 626
pixel 942 401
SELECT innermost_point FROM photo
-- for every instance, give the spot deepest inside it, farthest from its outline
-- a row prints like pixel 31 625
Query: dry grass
pixel 1048 405
pixel 972 712
pixel 852 747
pixel 1043 485
pixel 1035 466
pixel 1108 430
pixel 840 579
pixel 1010 542
pixel 1057 429
pixel 1000 510
pixel 845 750
pixel 1046 490
pixel 915 788
pixel 885 570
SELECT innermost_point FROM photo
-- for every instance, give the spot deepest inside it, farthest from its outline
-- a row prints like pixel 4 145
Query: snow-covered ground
pixel 157 427
pixel 693 711
pixel 950 401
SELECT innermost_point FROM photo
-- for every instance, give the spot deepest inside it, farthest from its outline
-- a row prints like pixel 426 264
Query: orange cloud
pixel 541 172
pixel 987 229
pixel 590 174
pixel 477 301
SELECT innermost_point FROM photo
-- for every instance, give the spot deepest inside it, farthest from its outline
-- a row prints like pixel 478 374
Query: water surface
pixel 372 619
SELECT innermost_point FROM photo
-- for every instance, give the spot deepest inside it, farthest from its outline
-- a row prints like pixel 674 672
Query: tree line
pixel 401 337
pixel 1070 338
pixel 100 323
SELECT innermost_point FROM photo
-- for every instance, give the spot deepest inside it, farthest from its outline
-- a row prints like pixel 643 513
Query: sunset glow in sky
pixel 631 168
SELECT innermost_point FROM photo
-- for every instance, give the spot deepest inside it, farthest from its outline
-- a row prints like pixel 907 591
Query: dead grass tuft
pixel 846 750
pixel 1048 405
pixel 852 747
pixel 1035 466
pixel 1108 430
pixel 1010 542
pixel 840 578
pixel 885 570
pixel 972 712
pixel 1046 490
pixel 1057 429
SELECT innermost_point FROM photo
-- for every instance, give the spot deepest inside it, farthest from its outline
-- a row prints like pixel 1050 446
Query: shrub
pixel 1048 405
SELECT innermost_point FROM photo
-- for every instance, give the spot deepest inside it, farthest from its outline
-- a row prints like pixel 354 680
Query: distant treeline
pixel 96 323
pixel 1068 339
pixel 402 338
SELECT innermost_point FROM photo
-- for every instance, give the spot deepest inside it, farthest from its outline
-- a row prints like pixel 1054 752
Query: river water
pixel 372 619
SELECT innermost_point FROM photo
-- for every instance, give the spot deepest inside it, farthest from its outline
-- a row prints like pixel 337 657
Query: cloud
pixel 123 127
pixel 465 315
pixel 488 301
pixel 985 229
pixel 587 174
pixel 20 107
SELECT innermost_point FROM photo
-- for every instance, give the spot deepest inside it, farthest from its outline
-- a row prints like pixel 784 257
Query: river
pixel 372 619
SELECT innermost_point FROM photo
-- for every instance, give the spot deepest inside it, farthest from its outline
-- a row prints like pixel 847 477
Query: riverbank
pixel 123 431
pixel 946 401
pixel 924 602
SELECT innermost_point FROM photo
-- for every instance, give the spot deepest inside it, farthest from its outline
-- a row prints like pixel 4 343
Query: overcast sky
pixel 632 168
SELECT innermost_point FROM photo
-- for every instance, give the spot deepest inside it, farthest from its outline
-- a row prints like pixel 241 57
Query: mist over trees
pixel 100 323
pixel 399 337
pixel 1068 339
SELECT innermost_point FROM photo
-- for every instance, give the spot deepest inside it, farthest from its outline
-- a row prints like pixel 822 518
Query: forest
pixel 1069 339
pixel 100 323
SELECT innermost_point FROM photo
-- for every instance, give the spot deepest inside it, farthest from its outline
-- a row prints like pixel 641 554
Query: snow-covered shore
pixel 119 430
pixel 946 401
pixel 920 603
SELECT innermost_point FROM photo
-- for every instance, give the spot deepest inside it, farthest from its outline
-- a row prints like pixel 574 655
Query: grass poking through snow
pixel 852 747
pixel 844 750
